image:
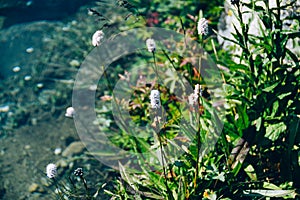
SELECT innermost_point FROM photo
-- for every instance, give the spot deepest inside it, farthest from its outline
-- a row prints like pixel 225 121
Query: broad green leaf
pixel 274 130
pixel 243 117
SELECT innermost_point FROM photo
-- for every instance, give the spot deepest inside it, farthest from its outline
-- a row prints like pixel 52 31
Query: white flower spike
pixel 151 46
pixel 202 26
pixel 193 98
pixel 97 37
pixel 51 170
pixel 70 112
pixel 155 99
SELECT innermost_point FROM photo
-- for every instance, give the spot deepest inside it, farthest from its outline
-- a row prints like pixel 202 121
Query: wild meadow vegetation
pixel 205 120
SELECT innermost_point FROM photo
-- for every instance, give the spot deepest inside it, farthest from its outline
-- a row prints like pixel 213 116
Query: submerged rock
pixel 73 149
pixel 33 188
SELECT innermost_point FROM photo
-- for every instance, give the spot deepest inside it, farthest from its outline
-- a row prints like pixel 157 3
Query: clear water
pixel 41 48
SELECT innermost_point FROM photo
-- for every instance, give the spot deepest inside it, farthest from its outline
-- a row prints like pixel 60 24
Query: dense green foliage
pixel 257 151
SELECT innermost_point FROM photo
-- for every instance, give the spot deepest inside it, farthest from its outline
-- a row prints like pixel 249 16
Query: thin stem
pixel 198 148
pixel 245 40
pixel 162 154
pixel 200 57
pixel 85 186
pixel 184 31
pixel 58 190
pixel 155 66
pixel 72 182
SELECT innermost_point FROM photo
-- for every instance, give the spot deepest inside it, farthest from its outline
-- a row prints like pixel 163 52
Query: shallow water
pixel 39 60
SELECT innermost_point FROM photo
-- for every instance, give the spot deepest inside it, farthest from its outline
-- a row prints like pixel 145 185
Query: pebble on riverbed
pixel 4 108
pixel 57 151
pixel 29 50
pixel 34 187
pixel 74 63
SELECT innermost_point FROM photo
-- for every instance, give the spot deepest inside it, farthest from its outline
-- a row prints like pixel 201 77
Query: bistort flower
pixel 51 170
pixel 155 99
pixel 193 98
pixel 70 112
pixel 198 90
pixel 97 37
pixel 78 172
pixel 202 26
pixel 151 46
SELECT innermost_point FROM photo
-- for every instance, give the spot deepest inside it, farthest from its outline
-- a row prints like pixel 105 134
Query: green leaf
pixel 250 171
pixel 238 36
pixel 181 189
pixel 243 119
pixel 271 186
pixel 126 176
pixel 239 67
pixel 272 193
pixel 237 168
pixel 158 180
pixel 228 39
pixel 284 95
pixel 220 177
pixel 274 130
pixel 252 6
pixel 293 56
pixel 258 123
pixel 275 108
pixel 270 88
pixel 294 35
